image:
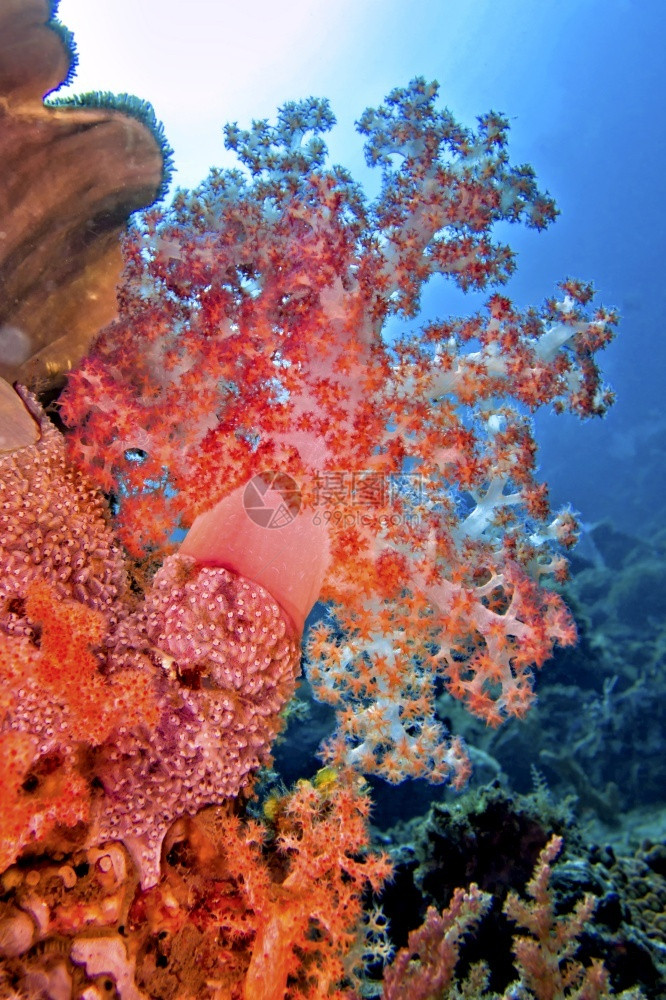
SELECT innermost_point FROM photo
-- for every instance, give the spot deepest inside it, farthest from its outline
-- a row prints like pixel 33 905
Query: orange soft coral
pixel 39 795
pixel 284 904
pixel 244 909
pixel 56 702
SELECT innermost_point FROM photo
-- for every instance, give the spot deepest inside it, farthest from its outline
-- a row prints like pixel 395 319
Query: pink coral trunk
pixel 290 561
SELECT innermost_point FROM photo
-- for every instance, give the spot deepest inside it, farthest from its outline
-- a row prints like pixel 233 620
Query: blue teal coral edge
pixel 127 104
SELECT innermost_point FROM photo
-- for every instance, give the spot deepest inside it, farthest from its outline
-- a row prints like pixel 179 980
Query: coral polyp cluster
pixel 122 712
pixel 54 526
pixel 224 660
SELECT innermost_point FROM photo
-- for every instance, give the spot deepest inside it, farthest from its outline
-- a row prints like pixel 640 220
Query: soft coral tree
pixel 251 341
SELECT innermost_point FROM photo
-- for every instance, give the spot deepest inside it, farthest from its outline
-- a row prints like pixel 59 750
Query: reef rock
pixel 70 175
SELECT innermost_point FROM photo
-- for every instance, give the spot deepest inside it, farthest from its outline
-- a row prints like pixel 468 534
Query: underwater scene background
pixel 298 697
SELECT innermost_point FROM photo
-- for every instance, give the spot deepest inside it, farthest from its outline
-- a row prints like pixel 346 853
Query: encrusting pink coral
pixel 54 526
pixel 175 698
pixel 224 659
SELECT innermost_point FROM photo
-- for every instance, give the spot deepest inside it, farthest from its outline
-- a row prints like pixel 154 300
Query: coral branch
pixel 424 969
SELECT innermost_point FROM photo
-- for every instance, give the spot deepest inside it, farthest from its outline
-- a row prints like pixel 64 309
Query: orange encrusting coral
pixel 56 702
pixel 68 671
pixel 36 800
